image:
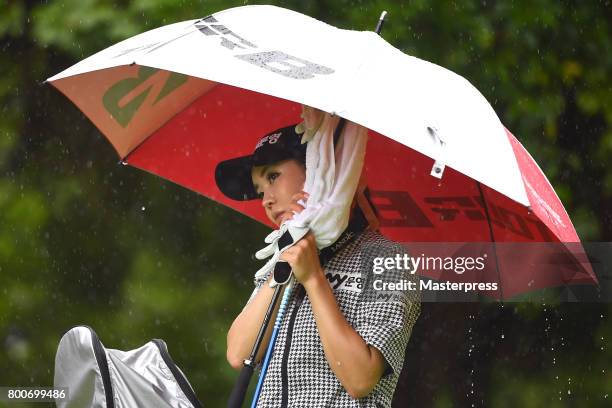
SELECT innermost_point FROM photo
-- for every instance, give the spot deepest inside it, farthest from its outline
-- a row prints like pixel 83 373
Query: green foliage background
pixel 85 240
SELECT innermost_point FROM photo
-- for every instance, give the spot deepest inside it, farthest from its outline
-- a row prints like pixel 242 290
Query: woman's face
pixel 276 183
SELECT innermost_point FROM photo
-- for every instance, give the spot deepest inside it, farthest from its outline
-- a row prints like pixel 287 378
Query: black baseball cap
pixel 233 176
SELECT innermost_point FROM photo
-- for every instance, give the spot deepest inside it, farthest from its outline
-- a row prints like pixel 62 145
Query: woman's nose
pixel 268 200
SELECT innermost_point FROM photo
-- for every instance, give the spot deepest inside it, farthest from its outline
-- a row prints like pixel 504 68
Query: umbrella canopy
pixel 177 100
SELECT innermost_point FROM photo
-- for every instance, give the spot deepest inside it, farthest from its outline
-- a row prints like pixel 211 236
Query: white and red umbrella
pixel 440 166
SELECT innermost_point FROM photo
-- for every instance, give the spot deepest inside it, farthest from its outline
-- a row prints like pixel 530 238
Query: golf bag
pixel 105 378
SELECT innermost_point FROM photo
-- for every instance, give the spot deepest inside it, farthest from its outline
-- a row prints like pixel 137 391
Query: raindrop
pixel 142 208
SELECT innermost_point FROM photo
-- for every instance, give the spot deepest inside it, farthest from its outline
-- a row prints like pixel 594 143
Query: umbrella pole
pixel 381 21
pixel 242 384
pixel 277 324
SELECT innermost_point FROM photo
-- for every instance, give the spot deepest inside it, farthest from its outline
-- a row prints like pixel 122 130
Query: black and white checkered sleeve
pixel 385 318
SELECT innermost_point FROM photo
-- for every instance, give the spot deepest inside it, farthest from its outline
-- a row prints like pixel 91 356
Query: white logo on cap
pixel 273 138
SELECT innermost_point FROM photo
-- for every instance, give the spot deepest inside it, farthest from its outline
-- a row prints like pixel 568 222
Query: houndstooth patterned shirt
pixel 298 374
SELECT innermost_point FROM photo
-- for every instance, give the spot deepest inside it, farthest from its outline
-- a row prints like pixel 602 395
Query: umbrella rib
pixel 486 208
pixel 170 40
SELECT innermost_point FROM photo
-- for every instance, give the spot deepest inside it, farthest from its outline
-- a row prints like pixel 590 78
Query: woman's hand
pixel 303 257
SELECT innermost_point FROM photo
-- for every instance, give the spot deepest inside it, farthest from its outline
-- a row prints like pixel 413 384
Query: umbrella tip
pixel 381 20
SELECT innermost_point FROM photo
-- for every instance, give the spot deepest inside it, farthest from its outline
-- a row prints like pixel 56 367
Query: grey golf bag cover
pixel 106 378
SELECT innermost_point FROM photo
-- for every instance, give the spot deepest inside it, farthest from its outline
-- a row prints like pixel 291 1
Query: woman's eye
pixel 273 176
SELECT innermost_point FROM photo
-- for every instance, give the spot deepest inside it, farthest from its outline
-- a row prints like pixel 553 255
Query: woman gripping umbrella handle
pixel 357 365
pixel 243 332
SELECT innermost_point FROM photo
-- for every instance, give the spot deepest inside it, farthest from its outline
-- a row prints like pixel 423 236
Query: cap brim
pixel 233 177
